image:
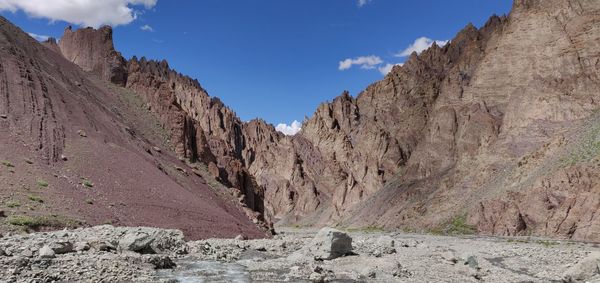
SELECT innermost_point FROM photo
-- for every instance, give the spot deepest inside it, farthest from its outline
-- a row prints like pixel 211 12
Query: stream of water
pixel 192 270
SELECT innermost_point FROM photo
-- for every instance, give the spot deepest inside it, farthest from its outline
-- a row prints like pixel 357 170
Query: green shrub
pixel 86 183
pixel 35 198
pixel 459 226
pixel 7 163
pixel 34 222
pixel 367 229
pixel 42 183
pixel 13 204
pixel 547 244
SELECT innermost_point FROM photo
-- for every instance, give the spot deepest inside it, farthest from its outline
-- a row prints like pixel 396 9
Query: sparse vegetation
pixel 86 183
pixel 34 222
pixel 588 149
pixel 35 198
pixel 367 229
pixel 42 183
pixel 7 163
pixel 547 244
pixel 13 204
pixel 457 226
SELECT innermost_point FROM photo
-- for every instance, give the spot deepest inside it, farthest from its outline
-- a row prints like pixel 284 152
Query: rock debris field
pixel 117 254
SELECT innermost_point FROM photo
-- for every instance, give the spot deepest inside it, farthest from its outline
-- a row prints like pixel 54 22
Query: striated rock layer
pixel 76 150
pixel 496 128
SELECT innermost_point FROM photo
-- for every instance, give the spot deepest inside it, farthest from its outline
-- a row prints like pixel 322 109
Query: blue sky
pixel 273 59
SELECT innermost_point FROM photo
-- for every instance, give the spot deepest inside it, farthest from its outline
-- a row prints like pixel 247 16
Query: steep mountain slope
pixel 490 148
pixel 78 149
pixel 496 128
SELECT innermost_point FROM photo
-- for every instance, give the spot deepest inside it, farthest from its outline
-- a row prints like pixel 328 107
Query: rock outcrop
pixel 93 51
pixel 467 130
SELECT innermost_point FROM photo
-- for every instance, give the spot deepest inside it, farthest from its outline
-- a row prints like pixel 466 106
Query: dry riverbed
pixel 111 254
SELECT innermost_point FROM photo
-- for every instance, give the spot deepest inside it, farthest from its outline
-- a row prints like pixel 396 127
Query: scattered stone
pixel 161 262
pixel 82 133
pixel 61 247
pixel 240 238
pixel 102 246
pixel 3 116
pixel 317 277
pixel 63 157
pixel 330 243
pixel 181 170
pixel 157 149
pixel 449 256
pixel 2 213
pixel 82 246
pixel 27 253
pixel 46 252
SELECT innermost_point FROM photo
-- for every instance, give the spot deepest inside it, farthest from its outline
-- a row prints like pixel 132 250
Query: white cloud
pixel 365 62
pixel 289 130
pixel 363 2
pixel 388 68
pixel 420 45
pixel 38 37
pixel 93 13
pixel 147 28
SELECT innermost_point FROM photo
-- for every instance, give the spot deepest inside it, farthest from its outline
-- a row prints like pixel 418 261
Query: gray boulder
pixel 61 247
pixel 584 269
pixel 137 242
pixel 330 243
pixel 151 241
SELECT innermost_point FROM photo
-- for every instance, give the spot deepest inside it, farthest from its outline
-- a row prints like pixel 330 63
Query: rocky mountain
pixel 496 131
pixel 77 150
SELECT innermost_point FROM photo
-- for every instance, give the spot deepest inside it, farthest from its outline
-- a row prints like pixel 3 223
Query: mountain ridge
pixel 445 136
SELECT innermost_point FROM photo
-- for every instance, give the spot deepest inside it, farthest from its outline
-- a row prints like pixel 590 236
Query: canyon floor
pixel 110 254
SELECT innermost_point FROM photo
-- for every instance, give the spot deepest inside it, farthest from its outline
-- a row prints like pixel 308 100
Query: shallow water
pixel 192 270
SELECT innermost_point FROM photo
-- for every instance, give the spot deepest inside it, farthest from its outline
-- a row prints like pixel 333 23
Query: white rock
pixel 82 246
pixel 46 252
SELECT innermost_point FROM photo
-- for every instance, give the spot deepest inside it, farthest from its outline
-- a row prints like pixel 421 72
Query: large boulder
pixel 148 240
pixel 330 243
pixel 584 270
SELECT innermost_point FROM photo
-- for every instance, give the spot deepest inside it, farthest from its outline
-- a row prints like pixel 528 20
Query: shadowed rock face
pixel 476 128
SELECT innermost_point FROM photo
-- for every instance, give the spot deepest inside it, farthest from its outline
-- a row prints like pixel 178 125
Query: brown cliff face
pixel 477 128
pixel 93 51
